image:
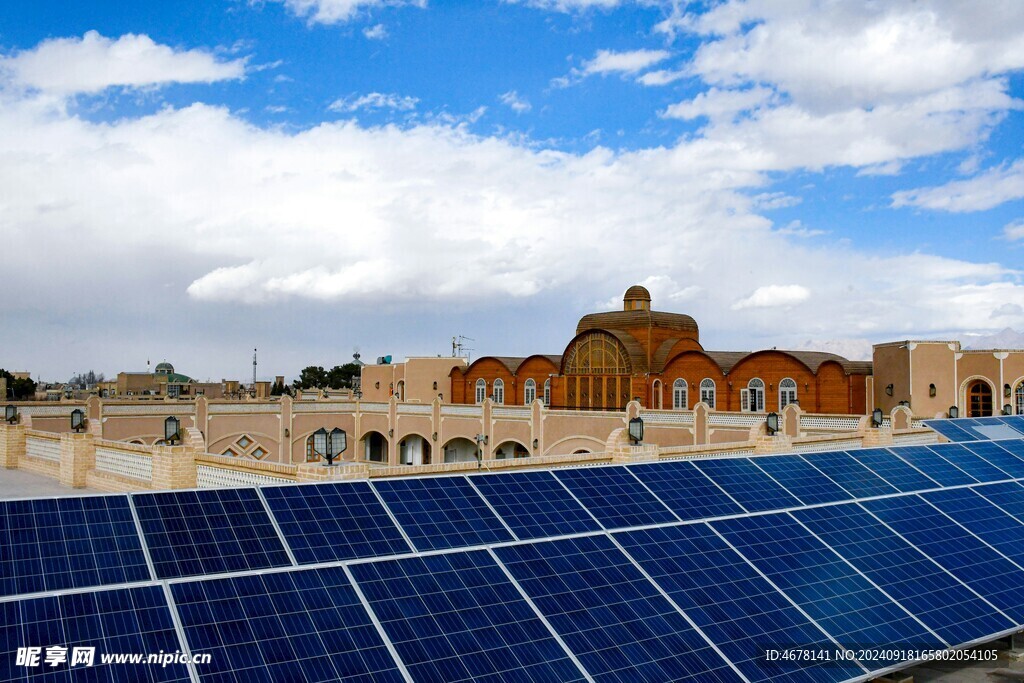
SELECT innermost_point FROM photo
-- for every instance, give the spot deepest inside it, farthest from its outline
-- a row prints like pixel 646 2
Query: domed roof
pixel 637 293
pixel 164 368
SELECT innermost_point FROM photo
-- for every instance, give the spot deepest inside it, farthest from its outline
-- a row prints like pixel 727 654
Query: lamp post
pixel 337 443
pixel 636 430
pixel 1007 409
pixel 77 420
pixel 876 418
pixel 172 429
pixel 11 414
pixel 772 423
pixel 953 412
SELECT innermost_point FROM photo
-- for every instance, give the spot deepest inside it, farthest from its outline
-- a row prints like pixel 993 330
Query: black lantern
pixel 77 420
pixel 11 414
pixel 337 442
pixel 772 423
pixel 536 444
pixel 888 390
pixel 876 418
pixel 636 430
pixel 172 428
pixel 320 441
pixel 954 412
pixel 1007 409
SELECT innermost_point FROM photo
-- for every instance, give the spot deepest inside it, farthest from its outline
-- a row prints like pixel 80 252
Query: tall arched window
pixel 547 392
pixel 752 398
pixel 1018 399
pixel 311 454
pixel 787 392
pixel 499 391
pixel 679 394
pixel 481 390
pixel 979 399
pixel 707 392
pixel 400 391
pixel 529 392
pixel 656 394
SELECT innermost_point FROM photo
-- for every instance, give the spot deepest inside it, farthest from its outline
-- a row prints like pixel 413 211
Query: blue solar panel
pixel 534 504
pixel 841 468
pixel 457 617
pixel 52 544
pixel 934 465
pixel 986 521
pixel 988 572
pixel 443 512
pixel 969 462
pixel 686 490
pixel 844 603
pixel 1015 446
pixel 752 488
pixel 732 604
pixel 893 470
pixel 208 532
pixel 1009 496
pixel 997 456
pixel 615 496
pixel 609 614
pixel 122 621
pixel 801 479
pixel 941 602
pixel 302 625
pixel 337 521
pixel 950 430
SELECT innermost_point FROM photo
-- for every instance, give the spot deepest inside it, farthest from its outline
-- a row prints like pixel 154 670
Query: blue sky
pixel 189 180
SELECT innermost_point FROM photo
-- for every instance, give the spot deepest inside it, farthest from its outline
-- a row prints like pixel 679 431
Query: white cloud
pixel 766 201
pixel 513 101
pixel 340 11
pixel 718 104
pixel 774 296
pixel 373 100
pixel 661 77
pixel 376 32
pixel 984 191
pixel 1014 231
pixel 627 62
pixel 567 5
pixel 93 63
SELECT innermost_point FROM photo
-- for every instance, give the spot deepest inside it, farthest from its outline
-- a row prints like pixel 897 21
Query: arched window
pixel 547 392
pixel 787 392
pixel 1018 399
pixel 400 391
pixel 752 398
pixel 679 394
pixel 656 394
pixel 707 392
pixel 311 453
pixel 481 390
pixel 499 391
pixel 979 399
pixel 529 392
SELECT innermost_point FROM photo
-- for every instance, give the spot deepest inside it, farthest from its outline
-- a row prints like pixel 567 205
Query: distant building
pixel 164 381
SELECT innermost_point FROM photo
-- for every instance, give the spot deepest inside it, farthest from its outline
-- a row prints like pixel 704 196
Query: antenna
pixel 254 369
pixel 458 347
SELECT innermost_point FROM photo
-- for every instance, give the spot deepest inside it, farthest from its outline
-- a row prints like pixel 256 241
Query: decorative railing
pixel 736 419
pixel 163 408
pixel 125 461
pixel 834 423
pixel 462 411
pixel 42 445
pixel 236 408
pixel 515 413
pixel 415 409
pixel 667 417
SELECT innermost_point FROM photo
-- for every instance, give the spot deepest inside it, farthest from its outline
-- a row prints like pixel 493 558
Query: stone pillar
pixel 701 424
pixel 174 467
pixel 537 427
pixel 763 443
pixel 343 472
pixel 619 448
pixel 790 419
pixel 77 458
pixel 486 428
pixel 284 448
pixel 392 423
pixel 12 445
pixel 900 417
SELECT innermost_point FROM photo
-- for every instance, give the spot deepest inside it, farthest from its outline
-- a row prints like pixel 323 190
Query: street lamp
pixel 772 423
pixel 172 429
pixel 1007 409
pixel 11 414
pixel 636 430
pixel 77 420
pixel 876 418
pixel 336 445
pixel 953 412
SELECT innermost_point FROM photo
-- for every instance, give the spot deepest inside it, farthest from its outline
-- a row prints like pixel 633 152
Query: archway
pixel 375 447
pixel 414 450
pixel 511 449
pixel 460 450
pixel 979 399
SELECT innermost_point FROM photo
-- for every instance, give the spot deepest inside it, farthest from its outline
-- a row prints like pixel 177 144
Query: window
pixel 787 392
pixel 752 398
pixel 311 454
pixel 400 391
pixel 547 392
pixel 979 399
pixel 656 394
pixel 499 391
pixel 679 394
pixel 529 392
pixel 481 390
pixel 173 390
pixel 1018 399
pixel 707 392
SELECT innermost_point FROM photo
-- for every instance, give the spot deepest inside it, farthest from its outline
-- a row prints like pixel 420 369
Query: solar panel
pixel 752 488
pixel 934 465
pixel 121 621
pixel 615 496
pixel 997 456
pixel 801 479
pixel 52 544
pixel 840 467
pixel 983 519
pixel 685 489
pixel 1009 496
pixel 457 617
pixel 950 430
pixel 299 625
pixel 335 521
pixel 734 605
pixel 969 462
pixel 191 533
pixel 894 471
pixel 534 504
pixel 941 602
pixel 1015 446
pixel 609 614
pixel 856 613
pixel 441 513
pixel 988 572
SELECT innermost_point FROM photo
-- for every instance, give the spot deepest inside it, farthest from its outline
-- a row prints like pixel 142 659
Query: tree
pixel 279 389
pixel 311 377
pixel 86 379
pixel 341 376
pixel 18 389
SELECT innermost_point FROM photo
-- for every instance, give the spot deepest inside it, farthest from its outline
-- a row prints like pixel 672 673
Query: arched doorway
pixel 511 449
pixel 460 450
pixel 979 399
pixel 414 450
pixel 597 372
pixel 375 447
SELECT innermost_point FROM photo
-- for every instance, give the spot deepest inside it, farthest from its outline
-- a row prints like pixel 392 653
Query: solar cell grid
pixel 457 617
pixel 996 455
pixel 609 614
pixel 983 519
pixel 987 571
pixel 1009 496
pixel 969 462
pixel 534 504
pixel 752 488
pixel 191 533
pixel 730 602
pixel 950 430
pixel 336 521
pixel 801 479
pixel 941 602
pixel 300 625
pixel 843 469
pixel 934 465
pixel 1014 446
pixel 686 490
pixel 441 513
pixel 844 603
pixel 894 471
pixel 53 544
pixel 615 496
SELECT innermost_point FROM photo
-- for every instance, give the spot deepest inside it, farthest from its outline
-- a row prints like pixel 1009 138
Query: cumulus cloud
pixel 988 189
pixel 513 101
pixel 627 62
pixel 373 100
pixel 774 296
pixel 93 63
pixel 567 5
pixel 340 11
pixel 375 32
pixel 717 104
pixel 1014 231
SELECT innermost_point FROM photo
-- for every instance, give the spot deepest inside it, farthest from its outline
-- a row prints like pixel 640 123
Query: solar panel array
pixel 676 570
pixel 980 428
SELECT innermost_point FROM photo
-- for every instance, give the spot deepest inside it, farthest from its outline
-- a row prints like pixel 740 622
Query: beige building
pixel 417 380
pixel 164 381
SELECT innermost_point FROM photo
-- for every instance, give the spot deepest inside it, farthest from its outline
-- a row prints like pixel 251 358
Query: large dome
pixel 636 293
pixel 164 368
